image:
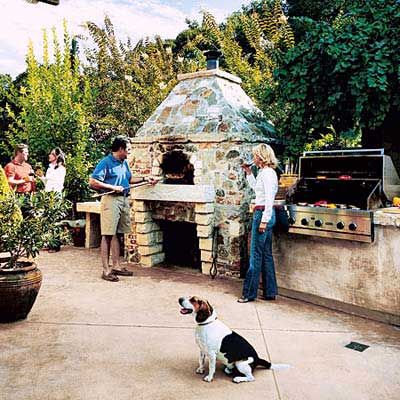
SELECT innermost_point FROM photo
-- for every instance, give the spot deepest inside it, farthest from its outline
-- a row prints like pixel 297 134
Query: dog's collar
pixel 209 322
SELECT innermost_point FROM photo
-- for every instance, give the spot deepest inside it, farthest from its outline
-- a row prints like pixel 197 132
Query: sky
pixel 21 21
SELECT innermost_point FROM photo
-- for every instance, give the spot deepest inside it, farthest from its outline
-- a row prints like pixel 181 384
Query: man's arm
pixel 136 179
pixel 150 179
pixel 98 185
pixel 10 174
pixel 96 180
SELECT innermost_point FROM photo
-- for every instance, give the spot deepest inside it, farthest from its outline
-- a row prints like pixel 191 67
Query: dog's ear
pixel 204 311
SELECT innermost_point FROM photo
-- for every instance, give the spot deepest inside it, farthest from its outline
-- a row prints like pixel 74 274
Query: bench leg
pixel 92 230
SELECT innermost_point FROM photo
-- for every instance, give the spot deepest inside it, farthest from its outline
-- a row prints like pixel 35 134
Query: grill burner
pixel 337 191
pixel 335 223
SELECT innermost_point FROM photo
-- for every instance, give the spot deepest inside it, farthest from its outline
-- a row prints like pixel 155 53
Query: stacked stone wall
pixel 216 164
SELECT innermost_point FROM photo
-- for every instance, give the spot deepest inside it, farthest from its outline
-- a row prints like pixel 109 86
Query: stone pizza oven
pixel 196 141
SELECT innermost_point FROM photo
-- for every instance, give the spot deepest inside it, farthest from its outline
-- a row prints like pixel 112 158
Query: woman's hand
pixel 246 169
pixel 262 228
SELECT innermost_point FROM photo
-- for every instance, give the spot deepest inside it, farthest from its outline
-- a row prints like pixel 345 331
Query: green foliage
pixel 28 223
pixel 337 82
pixel 8 94
pixel 14 213
pixel 343 78
pixel 128 82
pixel 55 106
pixel 253 42
pixel 318 10
pixel 4 186
pixel 332 140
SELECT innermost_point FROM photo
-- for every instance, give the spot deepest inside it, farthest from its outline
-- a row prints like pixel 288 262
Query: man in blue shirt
pixel 112 173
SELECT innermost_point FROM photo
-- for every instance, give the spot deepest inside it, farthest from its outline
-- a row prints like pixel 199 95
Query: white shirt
pixel 54 179
pixel 265 188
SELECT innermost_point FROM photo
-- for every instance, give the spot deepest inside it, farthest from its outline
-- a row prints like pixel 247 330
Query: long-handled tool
pixel 135 185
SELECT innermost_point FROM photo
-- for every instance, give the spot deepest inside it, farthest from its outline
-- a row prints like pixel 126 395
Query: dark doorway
pixel 181 244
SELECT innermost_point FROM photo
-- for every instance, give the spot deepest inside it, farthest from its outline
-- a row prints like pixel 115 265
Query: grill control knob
pixel 304 221
pixel 318 223
pixel 340 225
pixel 291 220
pixel 352 226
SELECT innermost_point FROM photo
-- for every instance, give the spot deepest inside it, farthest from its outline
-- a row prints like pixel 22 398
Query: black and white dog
pixel 218 342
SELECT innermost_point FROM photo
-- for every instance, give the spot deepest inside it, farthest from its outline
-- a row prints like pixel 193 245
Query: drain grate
pixel 357 346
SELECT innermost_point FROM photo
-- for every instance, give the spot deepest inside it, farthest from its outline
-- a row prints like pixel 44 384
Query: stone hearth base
pixel 149 236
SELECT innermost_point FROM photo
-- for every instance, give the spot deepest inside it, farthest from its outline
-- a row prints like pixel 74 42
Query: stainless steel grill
pixel 338 190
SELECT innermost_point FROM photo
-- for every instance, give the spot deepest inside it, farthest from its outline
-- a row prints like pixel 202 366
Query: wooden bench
pixel 92 228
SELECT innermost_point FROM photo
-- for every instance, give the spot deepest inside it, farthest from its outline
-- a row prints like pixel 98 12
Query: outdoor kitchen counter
pixel 387 217
pixel 346 275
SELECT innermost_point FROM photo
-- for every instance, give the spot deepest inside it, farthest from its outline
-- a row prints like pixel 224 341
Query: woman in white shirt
pixel 261 259
pixel 55 174
pixel 54 182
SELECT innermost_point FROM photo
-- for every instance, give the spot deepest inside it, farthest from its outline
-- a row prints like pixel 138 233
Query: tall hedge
pixel 55 104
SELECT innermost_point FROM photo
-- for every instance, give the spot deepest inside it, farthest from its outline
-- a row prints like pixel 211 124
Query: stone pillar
pixel 149 236
pixel 205 225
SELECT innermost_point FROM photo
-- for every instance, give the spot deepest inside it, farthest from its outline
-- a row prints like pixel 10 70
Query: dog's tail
pixel 263 363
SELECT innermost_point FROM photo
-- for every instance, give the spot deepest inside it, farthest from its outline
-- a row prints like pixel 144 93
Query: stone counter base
pixel 387 318
pixel 361 276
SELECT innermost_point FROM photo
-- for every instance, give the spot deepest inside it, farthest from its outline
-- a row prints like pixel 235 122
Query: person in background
pixel 112 174
pixel 19 173
pixel 54 182
pixel 55 174
pixel 261 259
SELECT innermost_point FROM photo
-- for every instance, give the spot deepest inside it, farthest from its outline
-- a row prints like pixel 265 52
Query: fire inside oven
pixel 177 169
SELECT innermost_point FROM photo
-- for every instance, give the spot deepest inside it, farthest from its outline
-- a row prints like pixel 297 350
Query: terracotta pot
pixel 18 290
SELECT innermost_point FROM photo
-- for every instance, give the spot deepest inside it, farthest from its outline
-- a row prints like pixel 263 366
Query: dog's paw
pixel 208 378
pixel 239 379
pixel 200 370
pixel 228 371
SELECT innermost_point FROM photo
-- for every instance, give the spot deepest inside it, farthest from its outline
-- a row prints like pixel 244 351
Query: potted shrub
pixel 27 224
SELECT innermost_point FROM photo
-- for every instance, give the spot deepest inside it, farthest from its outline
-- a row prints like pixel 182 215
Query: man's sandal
pixel 110 277
pixel 122 272
pixel 244 300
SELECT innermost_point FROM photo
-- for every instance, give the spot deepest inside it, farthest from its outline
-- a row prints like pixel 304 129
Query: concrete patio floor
pixel 86 338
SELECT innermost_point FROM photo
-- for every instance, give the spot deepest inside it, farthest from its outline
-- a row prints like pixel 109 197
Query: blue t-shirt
pixel 113 172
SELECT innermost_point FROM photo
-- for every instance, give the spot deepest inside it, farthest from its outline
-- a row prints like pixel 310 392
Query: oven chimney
pixel 212 57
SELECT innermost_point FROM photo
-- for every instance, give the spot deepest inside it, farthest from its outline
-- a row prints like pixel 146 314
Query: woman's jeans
pixel 261 260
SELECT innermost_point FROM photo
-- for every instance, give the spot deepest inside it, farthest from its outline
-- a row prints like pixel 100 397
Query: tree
pixel 9 101
pixel 343 78
pixel 128 82
pixel 55 112
pixel 318 10
pixel 6 94
pixel 253 42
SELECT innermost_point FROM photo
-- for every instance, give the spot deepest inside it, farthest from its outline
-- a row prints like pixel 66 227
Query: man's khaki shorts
pixel 115 216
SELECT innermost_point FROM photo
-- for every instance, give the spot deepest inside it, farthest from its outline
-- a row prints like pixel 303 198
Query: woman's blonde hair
pixel 266 155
